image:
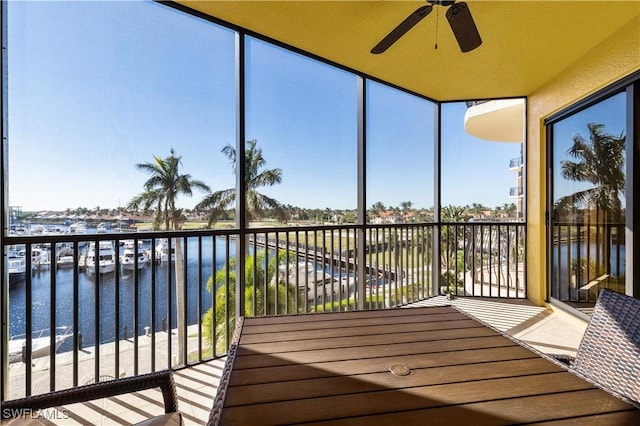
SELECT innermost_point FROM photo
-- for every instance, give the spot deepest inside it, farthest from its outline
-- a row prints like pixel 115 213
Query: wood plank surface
pixel 328 317
pixel 370 363
pixel 509 411
pixel 388 404
pixel 338 369
pixel 363 339
pixel 358 329
pixel 259 326
pixel 254 359
pixel 355 383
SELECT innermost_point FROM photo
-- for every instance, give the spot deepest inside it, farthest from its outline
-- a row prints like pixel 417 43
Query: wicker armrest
pixel 162 379
pixel 218 403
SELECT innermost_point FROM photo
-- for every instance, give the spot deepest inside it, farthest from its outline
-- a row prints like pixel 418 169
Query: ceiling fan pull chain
pixel 437 20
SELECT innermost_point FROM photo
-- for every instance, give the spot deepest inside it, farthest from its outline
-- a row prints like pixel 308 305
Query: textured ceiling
pixel 525 43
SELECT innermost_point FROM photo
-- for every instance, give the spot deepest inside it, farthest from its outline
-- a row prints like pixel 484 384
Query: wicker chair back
pixel 609 352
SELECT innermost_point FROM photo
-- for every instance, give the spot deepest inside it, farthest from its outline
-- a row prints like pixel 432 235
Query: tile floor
pixel 549 331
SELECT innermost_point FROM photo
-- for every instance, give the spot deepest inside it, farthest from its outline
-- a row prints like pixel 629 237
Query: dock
pixel 345 260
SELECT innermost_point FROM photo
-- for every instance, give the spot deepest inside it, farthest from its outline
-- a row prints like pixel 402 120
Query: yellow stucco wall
pixel 614 58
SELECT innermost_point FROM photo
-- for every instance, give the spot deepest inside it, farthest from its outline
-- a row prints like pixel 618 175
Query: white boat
pixel 78 228
pixel 40 343
pixel 52 230
pixel 106 258
pixel 64 255
pixel 17 266
pixel 39 257
pixel 19 230
pixel 162 250
pixel 127 260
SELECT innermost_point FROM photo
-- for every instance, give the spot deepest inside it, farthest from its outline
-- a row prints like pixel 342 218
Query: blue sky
pixel 97 87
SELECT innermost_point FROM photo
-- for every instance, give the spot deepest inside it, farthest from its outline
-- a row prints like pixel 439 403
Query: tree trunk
pixel 180 301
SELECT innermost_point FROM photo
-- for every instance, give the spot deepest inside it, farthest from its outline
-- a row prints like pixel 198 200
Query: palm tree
pixel 218 202
pixel 476 209
pixel 600 162
pixel 451 239
pixel 376 209
pixel 452 213
pixel 161 191
pixel 279 297
pixel 509 208
pixel 405 207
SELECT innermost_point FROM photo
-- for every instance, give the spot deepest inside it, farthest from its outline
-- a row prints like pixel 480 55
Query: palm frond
pixel 218 202
pixel 600 162
pixel 164 185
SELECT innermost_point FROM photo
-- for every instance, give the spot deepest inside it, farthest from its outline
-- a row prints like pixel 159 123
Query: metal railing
pixel 485 259
pixel 474 103
pixel 148 301
pixel 515 163
pixel 515 191
pixel 586 258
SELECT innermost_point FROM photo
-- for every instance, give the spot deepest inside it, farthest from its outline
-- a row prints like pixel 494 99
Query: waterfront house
pixel 569 65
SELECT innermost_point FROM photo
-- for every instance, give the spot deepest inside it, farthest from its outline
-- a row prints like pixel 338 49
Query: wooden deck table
pixel 422 366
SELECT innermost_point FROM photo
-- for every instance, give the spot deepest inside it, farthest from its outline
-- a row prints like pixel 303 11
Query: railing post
pixel 437 259
pixel 362 194
pixel 361 257
pixel 4 199
pixel 436 266
pixel 241 186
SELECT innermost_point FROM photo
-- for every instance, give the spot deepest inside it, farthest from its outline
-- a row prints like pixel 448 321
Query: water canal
pixel 116 288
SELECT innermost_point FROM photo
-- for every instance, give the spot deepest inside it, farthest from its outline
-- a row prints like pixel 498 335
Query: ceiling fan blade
pixel 402 28
pixel 463 27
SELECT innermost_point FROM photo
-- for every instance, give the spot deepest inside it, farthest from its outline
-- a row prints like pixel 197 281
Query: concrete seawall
pixel 41 367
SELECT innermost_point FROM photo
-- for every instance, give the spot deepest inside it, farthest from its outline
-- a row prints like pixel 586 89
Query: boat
pixel 19 230
pixel 127 260
pixel 39 258
pixel 162 250
pixel 78 228
pixel 40 343
pixel 17 266
pixel 64 255
pixel 102 228
pixel 106 258
pixel 52 230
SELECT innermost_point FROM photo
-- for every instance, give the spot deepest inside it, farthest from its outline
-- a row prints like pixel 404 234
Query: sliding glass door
pixel 589 195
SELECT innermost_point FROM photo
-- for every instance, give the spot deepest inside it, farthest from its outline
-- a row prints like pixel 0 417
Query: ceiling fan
pixel 458 15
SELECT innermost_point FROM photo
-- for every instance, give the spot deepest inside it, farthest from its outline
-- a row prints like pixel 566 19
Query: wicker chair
pixel 162 379
pixel 609 352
